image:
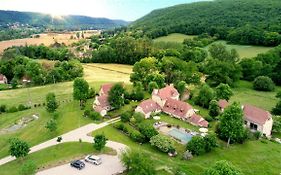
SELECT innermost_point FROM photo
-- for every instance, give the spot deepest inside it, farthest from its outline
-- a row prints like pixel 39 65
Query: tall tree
pixel 116 96
pixel 214 109
pixel 231 125
pixel 80 90
pixel 51 102
pixel 206 94
pixel 18 148
pixel 223 91
pixel 137 163
pixel 99 142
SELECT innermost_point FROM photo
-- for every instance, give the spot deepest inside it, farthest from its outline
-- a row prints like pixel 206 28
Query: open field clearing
pixel 95 74
pixel 175 37
pixel 245 94
pixel 244 51
pixel 46 39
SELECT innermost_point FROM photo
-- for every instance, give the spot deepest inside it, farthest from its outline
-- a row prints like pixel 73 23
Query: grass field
pixel 244 51
pixel 245 94
pixel 252 158
pixel 53 156
pixel 70 117
pixel 95 74
pixel 175 37
pixel 46 39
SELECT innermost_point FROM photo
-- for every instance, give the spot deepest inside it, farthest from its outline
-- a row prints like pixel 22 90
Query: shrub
pixel 139 117
pixel 136 136
pixel 196 145
pixel 152 85
pixel 210 142
pixel 187 155
pixel 257 135
pixel 214 109
pixel 28 168
pixel 95 115
pixel 12 109
pixel 161 142
pixel 147 130
pixel 263 83
pixel 3 108
pixel 87 113
pixel 222 167
pixel 55 115
pixel 125 117
pixel 91 93
pixel 99 142
pixel 21 107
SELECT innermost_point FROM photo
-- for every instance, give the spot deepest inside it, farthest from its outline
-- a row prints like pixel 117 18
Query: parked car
pixel 78 164
pixel 93 159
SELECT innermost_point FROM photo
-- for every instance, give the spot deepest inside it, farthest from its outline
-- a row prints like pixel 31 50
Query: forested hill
pixel 65 22
pixel 241 21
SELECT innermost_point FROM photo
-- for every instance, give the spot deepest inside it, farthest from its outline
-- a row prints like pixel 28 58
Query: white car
pixel 93 159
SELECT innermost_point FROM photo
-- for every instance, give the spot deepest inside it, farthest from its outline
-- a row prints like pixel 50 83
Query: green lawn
pixel 55 155
pixel 175 37
pixel 245 94
pixel 253 157
pixel 70 117
pixel 245 51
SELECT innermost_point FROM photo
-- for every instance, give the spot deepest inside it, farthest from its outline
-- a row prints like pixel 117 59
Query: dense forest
pixel 70 22
pixel 255 22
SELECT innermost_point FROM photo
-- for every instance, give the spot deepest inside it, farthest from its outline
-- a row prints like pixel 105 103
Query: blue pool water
pixel 180 135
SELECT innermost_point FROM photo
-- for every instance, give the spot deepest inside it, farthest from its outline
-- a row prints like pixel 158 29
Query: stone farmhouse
pixel 101 104
pixel 167 100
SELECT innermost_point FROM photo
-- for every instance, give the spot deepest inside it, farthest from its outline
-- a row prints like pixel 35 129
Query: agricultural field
pixel 45 38
pixel 95 74
pixel 175 37
pixel 244 51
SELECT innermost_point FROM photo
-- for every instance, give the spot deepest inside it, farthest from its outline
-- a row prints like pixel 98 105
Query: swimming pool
pixel 180 135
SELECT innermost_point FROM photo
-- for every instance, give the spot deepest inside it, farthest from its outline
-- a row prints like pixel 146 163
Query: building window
pixel 253 126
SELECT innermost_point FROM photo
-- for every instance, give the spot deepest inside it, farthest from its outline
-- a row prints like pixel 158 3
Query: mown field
pixel 244 51
pixel 95 74
pixel 175 37
pixel 46 39
pixel 55 155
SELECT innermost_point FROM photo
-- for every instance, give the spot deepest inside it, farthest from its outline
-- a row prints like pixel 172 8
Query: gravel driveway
pixel 109 166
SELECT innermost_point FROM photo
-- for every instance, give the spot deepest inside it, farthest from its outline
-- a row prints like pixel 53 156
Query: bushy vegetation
pixel 163 143
pixel 222 167
pixel 238 21
pixel 40 74
pixel 199 145
pixel 263 83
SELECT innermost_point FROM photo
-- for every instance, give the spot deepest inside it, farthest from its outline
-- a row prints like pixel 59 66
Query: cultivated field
pixel 95 74
pixel 175 37
pixel 244 51
pixel 46 39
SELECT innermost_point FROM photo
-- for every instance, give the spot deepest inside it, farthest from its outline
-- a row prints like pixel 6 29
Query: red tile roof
pixel 149 106
pixel 255 114
pixel 98 108
pixel 223 104
pixel 106 88
pixel 176 107
pixel 103 100
pixel 198 121
pixel 167 92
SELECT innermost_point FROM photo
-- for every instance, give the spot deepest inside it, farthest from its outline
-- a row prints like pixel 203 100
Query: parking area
pixel 110 165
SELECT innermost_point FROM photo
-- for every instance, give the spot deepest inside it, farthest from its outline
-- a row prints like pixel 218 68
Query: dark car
pixel 77 164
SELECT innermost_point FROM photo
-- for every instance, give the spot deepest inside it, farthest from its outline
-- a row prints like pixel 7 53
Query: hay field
pixel 45 38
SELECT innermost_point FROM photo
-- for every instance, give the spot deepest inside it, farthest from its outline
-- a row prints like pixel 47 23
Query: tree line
pixel 238 21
